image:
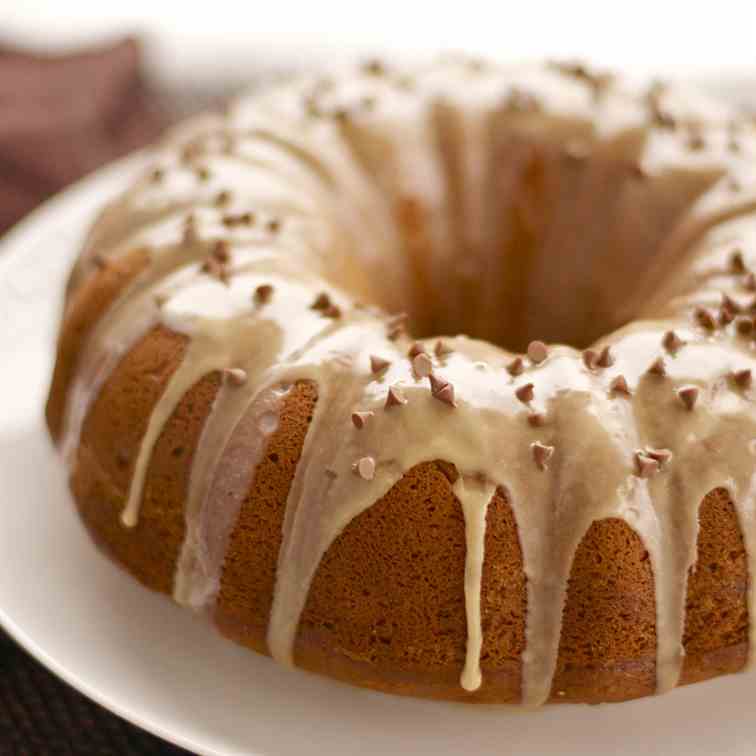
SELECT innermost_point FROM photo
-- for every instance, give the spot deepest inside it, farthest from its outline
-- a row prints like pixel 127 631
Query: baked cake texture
pixel 250 427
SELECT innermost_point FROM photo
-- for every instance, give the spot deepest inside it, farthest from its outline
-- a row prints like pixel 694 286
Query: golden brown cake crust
pixel 386 609
pixel 387 606
pixel 84 306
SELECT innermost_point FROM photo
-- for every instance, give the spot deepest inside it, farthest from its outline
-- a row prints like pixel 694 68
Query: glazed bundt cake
pixel 250 427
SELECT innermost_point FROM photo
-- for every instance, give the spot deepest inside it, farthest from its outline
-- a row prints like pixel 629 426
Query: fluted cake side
pixel 249 430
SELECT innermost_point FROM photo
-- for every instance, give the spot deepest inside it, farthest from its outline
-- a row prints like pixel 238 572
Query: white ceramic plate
pixel 166 670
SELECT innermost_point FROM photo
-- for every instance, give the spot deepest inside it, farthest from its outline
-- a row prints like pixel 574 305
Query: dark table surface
pixel 40 715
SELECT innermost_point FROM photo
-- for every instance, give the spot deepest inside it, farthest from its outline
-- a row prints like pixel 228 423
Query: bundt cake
pixel 250 427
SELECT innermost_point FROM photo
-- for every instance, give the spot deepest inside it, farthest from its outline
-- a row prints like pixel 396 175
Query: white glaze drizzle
pixel 306 178
pixel 474 498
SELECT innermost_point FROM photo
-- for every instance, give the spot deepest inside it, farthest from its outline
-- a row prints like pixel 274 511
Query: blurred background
pixel 84 82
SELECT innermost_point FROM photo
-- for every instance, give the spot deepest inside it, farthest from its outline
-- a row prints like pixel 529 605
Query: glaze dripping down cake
pixel 557 506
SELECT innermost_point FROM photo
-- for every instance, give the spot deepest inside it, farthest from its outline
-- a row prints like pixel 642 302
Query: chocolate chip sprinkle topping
pixel 239 219
pixel 575 68
pixel 442 349
pixel 594 360
pixel 662 456
pixel 359 419
pixel 191 152
pixel 537 351
pixel 581 72
pixel 605 358
pixel 737 262
pixel 394 397
pixel 742 378
pixel 263 294
pixel 341 115
pixel 645 465
pixel 99 260
pixel 221 251
pixel 189 233
pixel 365 468
pixel 203 174
pixel 223 198
pixel 416 349
pixel 730 304
pixel 160 299
pixel 663 119
pixel 374 67
pixel 590 358
pixel 214 268
pixel 619 386
pixel 536 419
pixel 516 367
pixel 744 325
pixel 436 382
pixel 696 141
pixel 660 117
pixel 235 376
pixel 688 396
pixel 672 342
pixel 157 175
pixel 726 315
pixel 657 367
pixel 332 311
pixel 322 302
pixel 378 364
pixel 704 318
pixel 445 394
pixel 525 393
pixel 542 454
pixel 273 225
pixel 311 107
pixel 422 365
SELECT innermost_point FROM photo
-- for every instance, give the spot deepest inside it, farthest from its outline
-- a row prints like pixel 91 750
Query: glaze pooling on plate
pixel 278 237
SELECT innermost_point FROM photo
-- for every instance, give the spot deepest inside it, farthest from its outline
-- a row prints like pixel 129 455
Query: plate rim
pixel 12 244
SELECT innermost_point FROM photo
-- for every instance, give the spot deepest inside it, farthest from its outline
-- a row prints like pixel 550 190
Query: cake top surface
pixel 275 245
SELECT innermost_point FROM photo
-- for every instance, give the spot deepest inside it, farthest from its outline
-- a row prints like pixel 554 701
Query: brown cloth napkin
pixel 61 117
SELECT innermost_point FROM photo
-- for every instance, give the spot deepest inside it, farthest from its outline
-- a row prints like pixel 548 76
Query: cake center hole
pixel 557 252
